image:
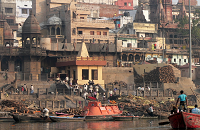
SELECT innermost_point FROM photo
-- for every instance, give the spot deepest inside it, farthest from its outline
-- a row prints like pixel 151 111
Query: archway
pixel 18 65
pixel 58 31
pixel 52 31
pixel 137 58
pixel 130 57
pixel 4 64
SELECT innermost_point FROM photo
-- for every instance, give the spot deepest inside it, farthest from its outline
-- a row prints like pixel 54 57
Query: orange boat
pixel 96 111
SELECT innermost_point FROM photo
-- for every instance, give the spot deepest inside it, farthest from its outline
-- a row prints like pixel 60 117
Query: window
pixel 98 33
pixel 8 10
pixel 129 4
pixel 174 60
pixel 10 21
pixel 24 11
pixel 81 17
pixel 80 32
pixel 94 74
pixel 184 60
pixel 125 4
pixel 91 32
pixel 74 31
pixel 85 75
pixel 104 33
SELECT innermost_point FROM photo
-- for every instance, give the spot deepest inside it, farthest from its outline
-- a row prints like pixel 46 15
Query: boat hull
pixel 184 120
pixel 66 119
pixel 123 118
pixel 99 118
pixel 26 118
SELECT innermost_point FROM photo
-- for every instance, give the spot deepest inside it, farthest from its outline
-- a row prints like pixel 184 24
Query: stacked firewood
pixel 75 111
pixel 161 74
pixel 14 106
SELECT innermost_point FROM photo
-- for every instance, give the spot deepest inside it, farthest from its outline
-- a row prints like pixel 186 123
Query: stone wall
pixel 111 74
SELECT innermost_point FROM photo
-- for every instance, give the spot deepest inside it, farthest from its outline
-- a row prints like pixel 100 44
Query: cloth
pixel 45 112
pixel 196 111
pixel 182 97
pixel 151 109
pixel 182 106
pixel 85 87
pixel 97 88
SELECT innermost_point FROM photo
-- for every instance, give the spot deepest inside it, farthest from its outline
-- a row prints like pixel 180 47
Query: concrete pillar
pixel 40 104
pixel 157 93
pixel 137 93
pixel 38 92
pixel 46 104
pixel 47 91
pixel 64 104
pixel 59 104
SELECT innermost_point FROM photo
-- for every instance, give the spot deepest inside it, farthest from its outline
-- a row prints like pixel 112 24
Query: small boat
pixel 95 111
pixel 123 118
pixel 29 118
pixel 66 118
pixel 184 120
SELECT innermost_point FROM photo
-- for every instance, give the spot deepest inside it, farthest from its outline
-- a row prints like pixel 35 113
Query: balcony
pixel 94 23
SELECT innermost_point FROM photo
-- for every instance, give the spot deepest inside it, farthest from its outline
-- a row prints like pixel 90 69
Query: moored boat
pixel 123 118
pixel 29 118
pixel 96 111
pixel 184 120
pixel 66 118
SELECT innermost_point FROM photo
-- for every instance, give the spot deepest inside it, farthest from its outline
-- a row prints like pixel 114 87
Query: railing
pixel 80 59
pixel 93 21
pixel 30 77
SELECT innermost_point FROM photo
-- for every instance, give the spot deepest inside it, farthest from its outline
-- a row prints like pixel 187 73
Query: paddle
pixel 163 123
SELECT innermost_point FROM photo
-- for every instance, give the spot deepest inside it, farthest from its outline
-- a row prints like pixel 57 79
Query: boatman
pixel 45 113
pixel 183 101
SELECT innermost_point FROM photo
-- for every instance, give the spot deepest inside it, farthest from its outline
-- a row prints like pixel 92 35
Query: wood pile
pixel 163 74
pixel 75 111
pixel 14 106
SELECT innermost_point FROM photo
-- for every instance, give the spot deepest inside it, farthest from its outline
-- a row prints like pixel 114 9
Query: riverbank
pixel 136 105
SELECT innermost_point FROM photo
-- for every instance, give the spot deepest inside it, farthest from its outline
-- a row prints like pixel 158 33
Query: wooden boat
pixel 123 118
pixel 184 120
pixel 66 118
pixel 29 118
pixel 96 111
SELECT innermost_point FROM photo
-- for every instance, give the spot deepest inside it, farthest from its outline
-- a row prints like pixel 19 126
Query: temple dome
pixel 31 25
pixel 54 20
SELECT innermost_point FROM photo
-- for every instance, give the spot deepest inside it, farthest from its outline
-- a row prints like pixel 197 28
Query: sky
pixel 175 2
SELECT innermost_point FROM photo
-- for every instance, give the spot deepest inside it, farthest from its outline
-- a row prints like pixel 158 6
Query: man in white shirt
pixel 45 113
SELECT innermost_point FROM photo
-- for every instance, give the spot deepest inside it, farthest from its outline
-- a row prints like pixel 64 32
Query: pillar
pixel 46 104
pixel 52 105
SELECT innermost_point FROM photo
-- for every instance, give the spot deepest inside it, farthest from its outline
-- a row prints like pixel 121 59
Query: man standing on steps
pixel 183 101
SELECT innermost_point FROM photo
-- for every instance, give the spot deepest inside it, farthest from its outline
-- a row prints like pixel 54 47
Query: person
pixel 111 93
pixel 80 91
pixel 128 114
pixel 90 89
pixel 45 113
pixel 97 88
pixel 32 89
pixel 25 88
pixel 85 95
pixel 95 94
pixel 150 110
pixel 115 89
pixel 174 110
pixel 104 96
pixel 183 101
pixel 22 89
pixel 85 87
pixel 195 110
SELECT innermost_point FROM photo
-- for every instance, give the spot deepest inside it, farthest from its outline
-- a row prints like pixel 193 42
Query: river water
pixel 139 124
